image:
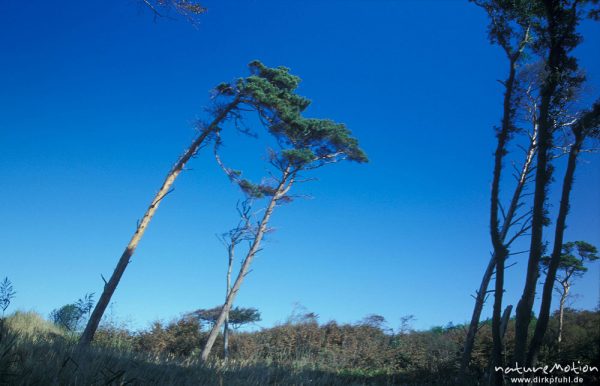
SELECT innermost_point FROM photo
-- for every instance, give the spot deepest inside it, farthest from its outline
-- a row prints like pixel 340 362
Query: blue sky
pixel 98 101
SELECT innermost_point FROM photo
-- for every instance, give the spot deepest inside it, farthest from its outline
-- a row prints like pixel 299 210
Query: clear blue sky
pixel 98 100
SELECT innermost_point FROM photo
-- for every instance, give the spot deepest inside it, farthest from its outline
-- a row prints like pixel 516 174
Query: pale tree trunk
pixel 563 299
pixel 231 251
pixel 111 285
pixel 280 192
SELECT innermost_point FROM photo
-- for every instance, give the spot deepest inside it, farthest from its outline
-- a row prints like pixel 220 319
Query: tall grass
pixel 35 352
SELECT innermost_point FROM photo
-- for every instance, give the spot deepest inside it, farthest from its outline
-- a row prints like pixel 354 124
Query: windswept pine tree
pixel 575 255
pixel 305 144
pixel 310 143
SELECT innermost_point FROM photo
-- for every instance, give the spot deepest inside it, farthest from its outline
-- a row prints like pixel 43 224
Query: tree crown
pixel 304 142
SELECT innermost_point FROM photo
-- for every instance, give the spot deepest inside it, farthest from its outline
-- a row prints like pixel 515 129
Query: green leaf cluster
pixel 272 93
pixel 238 316
pixel 573 258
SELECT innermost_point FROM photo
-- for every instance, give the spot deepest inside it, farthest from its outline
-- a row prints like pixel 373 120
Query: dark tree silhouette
pixel 67 317
pixel 509 28
pixel 7 294
pixel 552 28
pixel 238 316
pixel 555 37
pixel 70 316
pixel 588 124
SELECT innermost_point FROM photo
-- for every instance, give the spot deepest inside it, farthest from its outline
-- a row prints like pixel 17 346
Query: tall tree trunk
pixel 542 178
pixel 561 312
pixel 505 320
pixel 111 285
pixel 496 377
pixel 280 191
pixel 503 326
pixel 489 271
pixel 500 249
pixel 525 305
pixel 544 315
pixel 497 235
pixel 226 321
pixel 474 325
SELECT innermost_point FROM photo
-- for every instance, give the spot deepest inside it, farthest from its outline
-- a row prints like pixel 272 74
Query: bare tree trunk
pixel 474 325
pixel 544 315
pixel 489 271
pixel 280 191
pixel 563 299
pixel 226 322
pixel 505 319
pixel 111 285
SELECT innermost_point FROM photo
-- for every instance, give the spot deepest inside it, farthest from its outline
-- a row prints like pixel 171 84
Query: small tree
pixel 85 304
pixel 235 318
pixel 575 255
pixel 238 316
pixel 67 317
pixel 7 294
pixel 70 316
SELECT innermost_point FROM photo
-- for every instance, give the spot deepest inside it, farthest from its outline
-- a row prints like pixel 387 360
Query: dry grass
pixel 35 352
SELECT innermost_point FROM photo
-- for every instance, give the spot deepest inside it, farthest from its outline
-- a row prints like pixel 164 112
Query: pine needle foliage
pixel 305 143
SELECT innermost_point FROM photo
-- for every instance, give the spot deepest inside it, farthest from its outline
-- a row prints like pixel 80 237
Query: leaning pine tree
pixel 305 144
pixel 263 91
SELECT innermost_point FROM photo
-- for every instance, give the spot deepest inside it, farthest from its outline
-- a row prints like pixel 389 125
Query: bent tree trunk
pixel 279 193
pixel 500 248
pixel 489 271
pixel 474 325
pixel 496 233
pixel 111 285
